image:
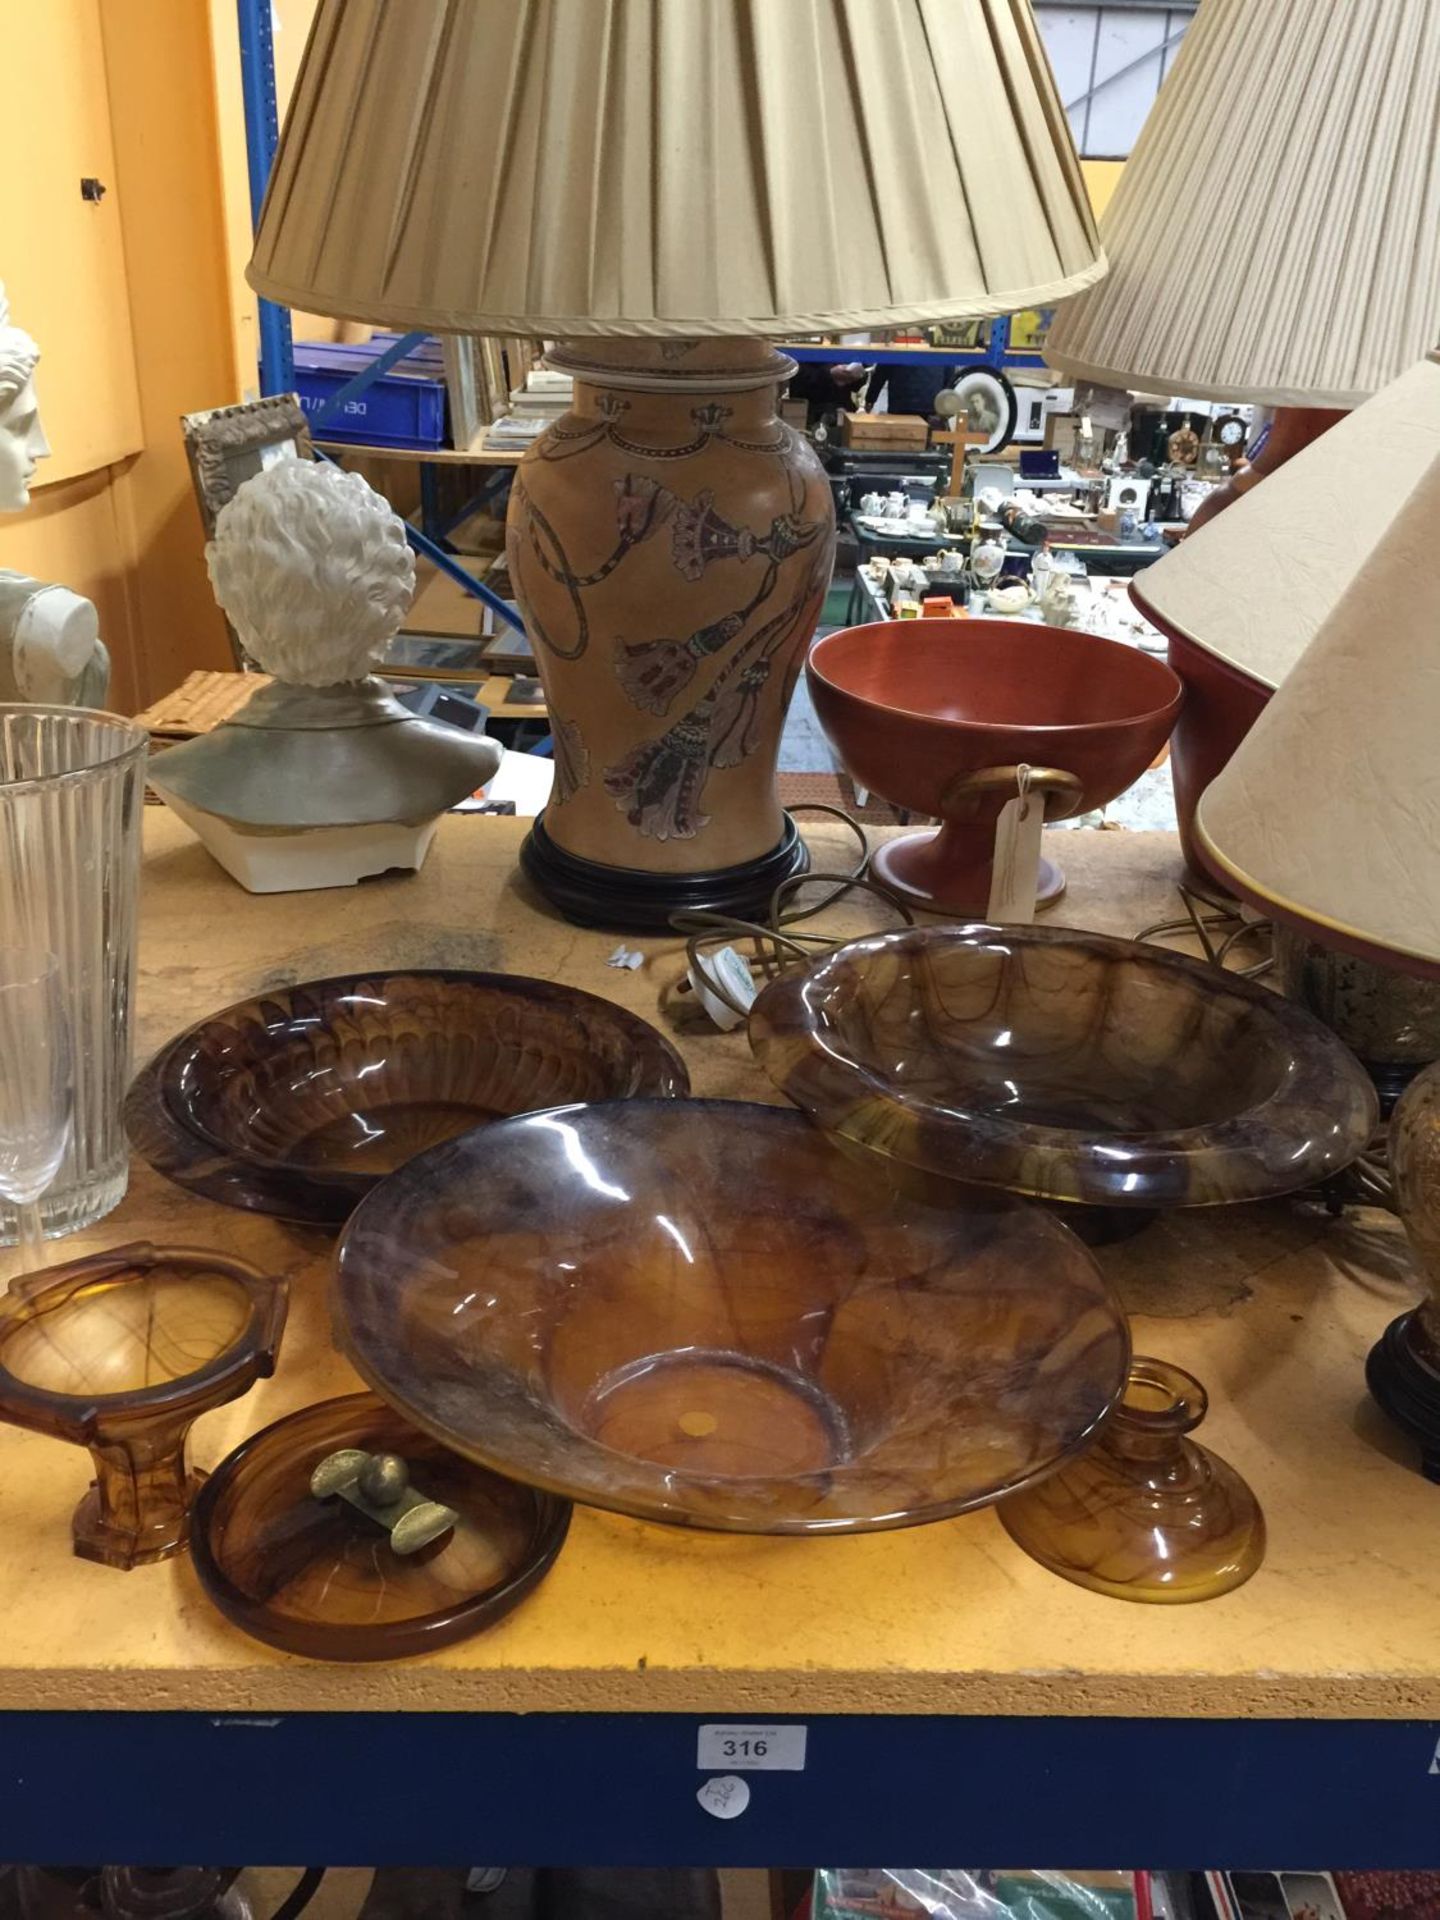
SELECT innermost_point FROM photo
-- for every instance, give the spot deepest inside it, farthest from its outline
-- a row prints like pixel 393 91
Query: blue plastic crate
pixel 403 408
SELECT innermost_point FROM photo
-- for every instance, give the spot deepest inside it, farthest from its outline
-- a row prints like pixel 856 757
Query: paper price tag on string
pixel 729 969
pixel 1015 876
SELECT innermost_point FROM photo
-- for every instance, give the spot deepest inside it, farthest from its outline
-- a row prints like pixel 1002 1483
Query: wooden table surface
pixel 1272 1306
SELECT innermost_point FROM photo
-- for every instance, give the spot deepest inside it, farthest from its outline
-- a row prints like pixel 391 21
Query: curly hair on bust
pixel 312 567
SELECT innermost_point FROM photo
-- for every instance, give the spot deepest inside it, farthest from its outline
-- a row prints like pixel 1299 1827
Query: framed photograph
pixel 226 445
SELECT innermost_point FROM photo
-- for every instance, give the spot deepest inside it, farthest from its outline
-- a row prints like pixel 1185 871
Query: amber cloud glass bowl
pixel 699 1312
pixel 1069 1066
pixel 297 1102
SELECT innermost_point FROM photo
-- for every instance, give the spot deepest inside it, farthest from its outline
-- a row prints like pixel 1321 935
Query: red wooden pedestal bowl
pixel 938 715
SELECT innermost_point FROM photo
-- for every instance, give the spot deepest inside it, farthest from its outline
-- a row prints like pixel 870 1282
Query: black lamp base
pixel 1403 1374
pixel 632 901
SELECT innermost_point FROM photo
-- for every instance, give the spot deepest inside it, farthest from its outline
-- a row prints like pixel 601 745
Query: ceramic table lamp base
pixel 1403 1370
pixel 670 543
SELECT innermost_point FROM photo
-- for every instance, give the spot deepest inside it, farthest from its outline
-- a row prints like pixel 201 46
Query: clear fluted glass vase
pixel 72 792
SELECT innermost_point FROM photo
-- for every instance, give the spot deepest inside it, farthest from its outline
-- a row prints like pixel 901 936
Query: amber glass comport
pixel 312 1575
pixel 297 1102
pixel 1069 1066
pixel 700 1312
pixel 1146 1513
pixel 121 1353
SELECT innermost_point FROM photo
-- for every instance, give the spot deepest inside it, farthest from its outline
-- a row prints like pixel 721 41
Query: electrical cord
pixel 1206 920
pixel 774 950
pixel 300 1895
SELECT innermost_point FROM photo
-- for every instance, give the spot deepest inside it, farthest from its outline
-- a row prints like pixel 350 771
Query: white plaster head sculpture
pixel 322 777
pixel 311 566
pixel 22 438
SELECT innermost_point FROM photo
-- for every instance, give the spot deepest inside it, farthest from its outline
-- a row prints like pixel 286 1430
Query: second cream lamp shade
pixel 657 167
pixel 1276 234
pixel 1328 815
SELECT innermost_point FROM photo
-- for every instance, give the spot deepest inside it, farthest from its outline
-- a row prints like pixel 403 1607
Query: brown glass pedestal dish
pixel 939 715
pixel 1068 1066
pixel 1145 1514
pixel 698 1312
pixel 121 1353
pixel 298 1101
pixel 313 1576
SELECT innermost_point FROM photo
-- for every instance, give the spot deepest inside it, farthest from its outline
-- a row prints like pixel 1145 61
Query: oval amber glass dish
pixel 313 1576
pixel 1064 1065
pixel 298 1101
pixel 700 1312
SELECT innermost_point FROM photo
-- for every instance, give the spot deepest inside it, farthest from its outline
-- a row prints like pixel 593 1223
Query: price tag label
pixel 751 1749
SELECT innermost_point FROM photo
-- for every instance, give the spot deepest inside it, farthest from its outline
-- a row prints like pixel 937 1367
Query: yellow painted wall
pixel 121 365
pixel 163 114
pixel 80 316
pixel 1101 179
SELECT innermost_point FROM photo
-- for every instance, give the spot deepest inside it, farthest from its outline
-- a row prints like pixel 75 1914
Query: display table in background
pixel 962 1703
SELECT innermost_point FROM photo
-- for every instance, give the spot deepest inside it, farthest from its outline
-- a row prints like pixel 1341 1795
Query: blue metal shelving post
pixel 262 135
pixel 277 358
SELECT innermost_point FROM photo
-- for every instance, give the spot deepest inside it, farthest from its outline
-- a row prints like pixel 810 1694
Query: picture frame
pixel 226 446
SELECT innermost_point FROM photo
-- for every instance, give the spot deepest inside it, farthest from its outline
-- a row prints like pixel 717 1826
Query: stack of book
pixel 543 398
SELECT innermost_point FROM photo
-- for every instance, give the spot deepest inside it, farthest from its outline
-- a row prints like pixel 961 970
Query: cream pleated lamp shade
pixel 659 167
pixel 1256 584
pixel 1275 236
pixel 1329 813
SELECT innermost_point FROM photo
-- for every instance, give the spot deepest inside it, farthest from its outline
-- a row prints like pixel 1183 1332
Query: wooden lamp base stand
pixel 594 894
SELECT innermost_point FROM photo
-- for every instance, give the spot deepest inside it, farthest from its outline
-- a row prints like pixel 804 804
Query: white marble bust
pixel 323 777
pixel 22 438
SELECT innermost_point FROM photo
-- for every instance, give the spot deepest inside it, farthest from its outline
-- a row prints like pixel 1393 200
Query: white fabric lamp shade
pixel 1328 815
pixel 1276 234
pixel 1256 584
pixel 673 167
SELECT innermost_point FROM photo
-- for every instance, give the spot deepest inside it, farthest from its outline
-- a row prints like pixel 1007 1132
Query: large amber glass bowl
pixel 700 1312
pixel 1065 1065
pixel 297 1102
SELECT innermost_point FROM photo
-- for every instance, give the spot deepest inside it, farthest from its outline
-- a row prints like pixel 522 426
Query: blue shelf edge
pixel 557 1789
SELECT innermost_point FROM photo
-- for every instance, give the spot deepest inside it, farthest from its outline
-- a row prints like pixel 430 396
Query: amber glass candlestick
pixel 1145 1514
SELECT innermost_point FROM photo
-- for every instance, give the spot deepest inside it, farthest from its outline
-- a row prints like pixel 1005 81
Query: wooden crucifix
pixel 959 440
